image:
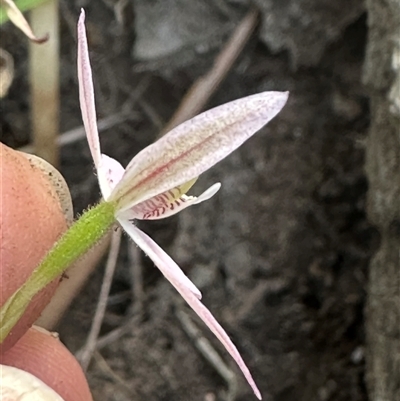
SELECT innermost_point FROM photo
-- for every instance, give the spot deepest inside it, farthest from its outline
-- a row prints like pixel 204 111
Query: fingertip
pixel 42 354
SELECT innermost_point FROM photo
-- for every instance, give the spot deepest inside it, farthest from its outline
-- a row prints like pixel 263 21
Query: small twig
pixel 119 10
pixel 121 383
pixel 151 113
pixel 86 353
pixel 119 297
pixel 208 352
pixel 78 133
pixel 136 272
pixel 106 123
pixel 201 91
pixel 116 334
pixel 103 124
pixel 224 8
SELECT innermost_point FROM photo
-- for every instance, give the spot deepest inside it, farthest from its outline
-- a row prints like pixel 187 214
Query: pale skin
pixel 27 205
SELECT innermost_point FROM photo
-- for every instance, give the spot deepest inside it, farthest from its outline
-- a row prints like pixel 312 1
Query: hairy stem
pixel 82 235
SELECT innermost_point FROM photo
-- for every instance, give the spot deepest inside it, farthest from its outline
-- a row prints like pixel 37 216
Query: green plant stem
pixel 82 235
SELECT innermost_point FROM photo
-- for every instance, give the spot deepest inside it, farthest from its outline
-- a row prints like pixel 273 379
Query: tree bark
pixel 382 75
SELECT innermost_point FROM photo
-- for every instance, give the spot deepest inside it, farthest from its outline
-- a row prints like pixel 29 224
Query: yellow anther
pixel 184 188
pixel 177 192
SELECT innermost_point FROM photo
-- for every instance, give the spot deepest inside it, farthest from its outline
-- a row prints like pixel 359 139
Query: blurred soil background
pixel 281 252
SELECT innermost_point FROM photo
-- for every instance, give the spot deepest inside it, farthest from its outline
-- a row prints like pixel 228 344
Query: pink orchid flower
pixel 155 182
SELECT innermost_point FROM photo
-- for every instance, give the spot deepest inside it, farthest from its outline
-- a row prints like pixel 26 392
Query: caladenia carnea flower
pixel 153 186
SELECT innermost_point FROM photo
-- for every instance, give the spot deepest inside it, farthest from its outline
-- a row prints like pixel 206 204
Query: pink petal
pixel 195 146
pixel 160 206
pixel 109 173
pixel 163 261
pixel 86 92
pixel 166 264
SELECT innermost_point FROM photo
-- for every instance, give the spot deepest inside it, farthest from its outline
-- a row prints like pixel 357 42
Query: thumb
pixel 31 220
pixel 40 353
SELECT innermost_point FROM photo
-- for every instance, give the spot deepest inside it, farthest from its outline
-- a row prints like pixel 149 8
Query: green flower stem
pixel 82 235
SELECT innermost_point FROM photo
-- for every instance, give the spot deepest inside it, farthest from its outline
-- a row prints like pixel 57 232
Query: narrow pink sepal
pixel 164 263
pixel 86 91
pixel 162 260
pixel 195 146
